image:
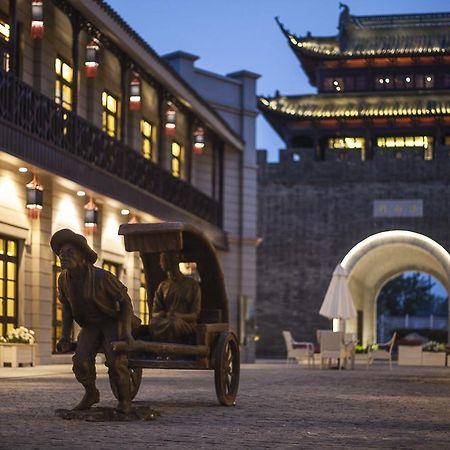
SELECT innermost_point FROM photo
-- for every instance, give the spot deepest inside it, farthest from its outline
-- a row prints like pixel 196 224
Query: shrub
pixel 19 335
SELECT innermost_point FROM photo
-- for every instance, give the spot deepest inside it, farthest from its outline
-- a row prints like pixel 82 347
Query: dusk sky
pixel 242 34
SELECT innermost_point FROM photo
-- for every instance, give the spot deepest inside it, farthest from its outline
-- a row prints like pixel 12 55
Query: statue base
pixel 104 414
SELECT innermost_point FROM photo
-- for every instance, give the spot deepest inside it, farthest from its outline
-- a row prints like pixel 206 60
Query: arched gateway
pixel 381 257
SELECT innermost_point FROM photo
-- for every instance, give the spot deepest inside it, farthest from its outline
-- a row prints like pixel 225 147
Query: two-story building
pixel 97 130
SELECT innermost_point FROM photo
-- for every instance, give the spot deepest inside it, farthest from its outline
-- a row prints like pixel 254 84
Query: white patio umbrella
pixel 338 302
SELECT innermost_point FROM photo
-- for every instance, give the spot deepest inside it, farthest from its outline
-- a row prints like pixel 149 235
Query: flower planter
pixel 433 359
pixel 17 354
pixel 361 358
pixel 409 355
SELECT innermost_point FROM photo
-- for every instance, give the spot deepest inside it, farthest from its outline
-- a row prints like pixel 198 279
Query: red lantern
pixel 37 19
pixel 91 63
pixel 135 93
pixel 199 140
pixel 35 198
pixel 90 217
pixel 171 116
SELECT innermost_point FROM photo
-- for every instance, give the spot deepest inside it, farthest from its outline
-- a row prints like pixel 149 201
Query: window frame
pixel 107 113
pixel 62 82
pixel 6 321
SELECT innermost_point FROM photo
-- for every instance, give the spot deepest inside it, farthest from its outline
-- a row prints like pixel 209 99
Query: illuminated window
pixel 146 139
pixel 111 267
pixel 411 142
pixel 429 81
pixel 8 284
pixel 447 140
pixel 63 84
pixel 5 32
pixel 110 113
pixel 143 305
pixel 348 143
pixel 177 159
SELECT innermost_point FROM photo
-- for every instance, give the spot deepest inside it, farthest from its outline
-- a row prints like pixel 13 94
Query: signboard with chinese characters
pixel 398 208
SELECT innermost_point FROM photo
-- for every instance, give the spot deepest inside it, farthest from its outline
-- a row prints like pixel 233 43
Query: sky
pixel 237 35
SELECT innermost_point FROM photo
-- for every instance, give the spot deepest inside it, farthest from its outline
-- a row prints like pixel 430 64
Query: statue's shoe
pixel 89 399
pixel 124 406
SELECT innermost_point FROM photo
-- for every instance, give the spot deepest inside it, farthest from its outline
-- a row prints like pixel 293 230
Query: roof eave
pixel 105 18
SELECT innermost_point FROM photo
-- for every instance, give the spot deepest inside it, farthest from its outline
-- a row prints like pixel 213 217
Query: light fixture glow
pixel 23 170
pixel 81 193
pixel 125 212
pixel 408 79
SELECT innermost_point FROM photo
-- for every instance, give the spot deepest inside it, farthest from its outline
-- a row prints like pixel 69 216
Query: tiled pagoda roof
pixel 324 106
pixel 372 37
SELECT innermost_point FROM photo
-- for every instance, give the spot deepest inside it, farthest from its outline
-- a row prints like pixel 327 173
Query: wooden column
pixel 221 180
pixel 124 99
pixel 14 55
pixel 162 104
pixel 189 145
pixel 75 20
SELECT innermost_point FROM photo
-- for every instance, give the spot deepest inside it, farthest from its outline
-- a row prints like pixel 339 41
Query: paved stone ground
pixel 278 407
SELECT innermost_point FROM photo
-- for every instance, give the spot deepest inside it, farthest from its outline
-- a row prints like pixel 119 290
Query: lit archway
pixel 382 256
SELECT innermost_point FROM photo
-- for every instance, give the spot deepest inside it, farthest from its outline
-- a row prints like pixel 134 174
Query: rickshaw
pixel 214 346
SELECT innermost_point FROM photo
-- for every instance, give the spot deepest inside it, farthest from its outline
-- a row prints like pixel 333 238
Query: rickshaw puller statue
pixel 100 304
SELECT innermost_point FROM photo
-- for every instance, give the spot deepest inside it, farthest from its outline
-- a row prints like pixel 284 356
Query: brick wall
pixel 311 213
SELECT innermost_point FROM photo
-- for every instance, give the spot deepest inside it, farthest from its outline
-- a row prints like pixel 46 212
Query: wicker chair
pixel 296 351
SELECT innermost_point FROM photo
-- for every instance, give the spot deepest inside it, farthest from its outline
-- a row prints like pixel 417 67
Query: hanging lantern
pixel 35 198
pixel 91 63
pixel 171 116
pixel 135 93
pixel 37 19
pixel 90 217
pixel 199 140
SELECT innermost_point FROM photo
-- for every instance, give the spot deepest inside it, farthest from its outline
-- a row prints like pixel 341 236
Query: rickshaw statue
pixel 189 327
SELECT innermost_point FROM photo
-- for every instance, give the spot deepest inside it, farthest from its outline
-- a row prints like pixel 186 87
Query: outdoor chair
pixel 383 351
pixel 332 346
pixel 296 351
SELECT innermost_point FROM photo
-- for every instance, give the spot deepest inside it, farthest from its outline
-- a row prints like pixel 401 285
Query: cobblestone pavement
pixel 278 407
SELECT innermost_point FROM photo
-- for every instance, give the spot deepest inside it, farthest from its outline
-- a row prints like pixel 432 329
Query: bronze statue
pixel 176 305
pixel 100 304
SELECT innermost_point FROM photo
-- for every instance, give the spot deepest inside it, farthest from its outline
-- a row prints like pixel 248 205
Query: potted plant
pixel 17 347
pixel 433 354
pixel 410 350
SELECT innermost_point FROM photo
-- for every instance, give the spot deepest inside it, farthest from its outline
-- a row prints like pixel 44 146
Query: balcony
pixel 36 116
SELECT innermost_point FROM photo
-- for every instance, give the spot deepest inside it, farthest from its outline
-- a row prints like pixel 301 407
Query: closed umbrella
pixel 338 302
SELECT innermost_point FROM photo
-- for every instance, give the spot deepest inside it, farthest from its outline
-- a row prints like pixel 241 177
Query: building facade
pixel 366 167
pixel 96 130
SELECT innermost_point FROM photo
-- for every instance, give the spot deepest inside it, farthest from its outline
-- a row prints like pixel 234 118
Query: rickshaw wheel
pixel 227 368
pixel 135 382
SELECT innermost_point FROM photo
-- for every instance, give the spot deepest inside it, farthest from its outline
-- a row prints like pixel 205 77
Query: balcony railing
pixel 43 118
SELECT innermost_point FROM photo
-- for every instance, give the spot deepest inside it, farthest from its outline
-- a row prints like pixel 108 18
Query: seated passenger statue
pixel 176 305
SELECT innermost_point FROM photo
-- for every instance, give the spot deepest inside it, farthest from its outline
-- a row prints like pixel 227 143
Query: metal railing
pixel 41 117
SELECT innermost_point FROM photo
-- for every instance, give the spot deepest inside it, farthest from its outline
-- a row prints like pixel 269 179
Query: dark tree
pixel 411 294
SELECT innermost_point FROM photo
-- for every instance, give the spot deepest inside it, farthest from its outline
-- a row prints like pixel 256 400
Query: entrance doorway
pixel 413 302
pixel 381 257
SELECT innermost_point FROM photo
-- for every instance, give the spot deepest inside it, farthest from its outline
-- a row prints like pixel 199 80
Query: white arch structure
pixel 383 256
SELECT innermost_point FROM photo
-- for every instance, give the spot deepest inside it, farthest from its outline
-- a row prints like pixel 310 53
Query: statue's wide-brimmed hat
pixel 66 236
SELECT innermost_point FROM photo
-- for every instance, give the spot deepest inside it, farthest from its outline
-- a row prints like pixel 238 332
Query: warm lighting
pixel 35 198
pixel 256 338
pixel 90 217
pixel 135 93
pixel 171 116
pixel 381 81
pixel 338 88
pixel 199 140
pixel 37 19
pixel 134 219
pixel 335 82
pixel 125 212
pixel 23 170
pixel 408 79
pixel 428 79
pixel 387 80
pixel 81 193
pixel 91 63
